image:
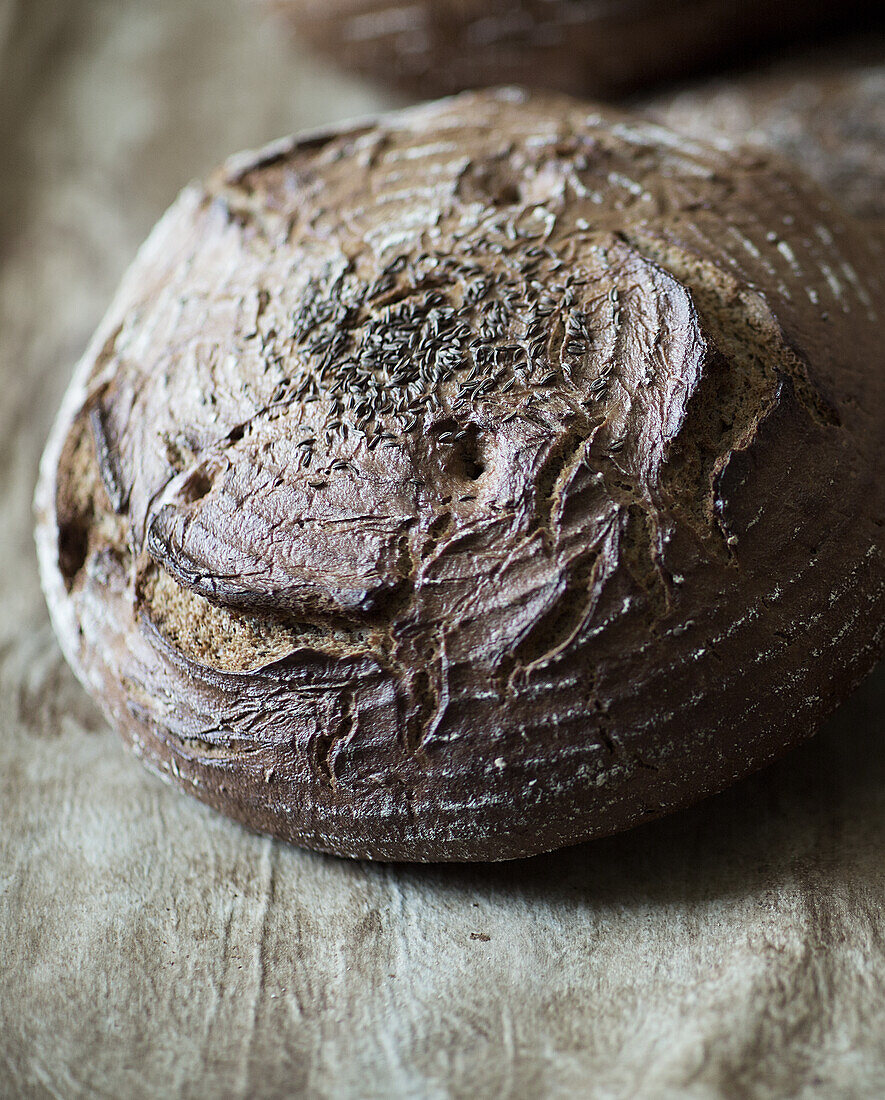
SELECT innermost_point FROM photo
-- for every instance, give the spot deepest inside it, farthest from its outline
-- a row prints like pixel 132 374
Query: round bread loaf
pixel 824 109
pixel 469 482
pixel 435 47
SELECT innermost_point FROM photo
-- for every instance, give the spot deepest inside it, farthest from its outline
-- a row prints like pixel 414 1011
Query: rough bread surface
pixel 475 480
pixel 824 109
pixel 589 47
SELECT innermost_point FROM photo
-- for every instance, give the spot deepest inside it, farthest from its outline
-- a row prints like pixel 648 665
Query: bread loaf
pixel 458 485
pixel 825 109
pixel 435 47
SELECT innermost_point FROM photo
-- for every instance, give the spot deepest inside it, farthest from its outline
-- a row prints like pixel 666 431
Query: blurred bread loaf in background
pixel 600 48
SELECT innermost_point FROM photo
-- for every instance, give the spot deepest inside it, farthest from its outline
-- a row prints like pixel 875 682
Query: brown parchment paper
pixel 150 948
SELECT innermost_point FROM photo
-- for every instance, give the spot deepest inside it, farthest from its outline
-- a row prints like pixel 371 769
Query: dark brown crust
pixel 591 524
pixel 585 47
pixel 822 108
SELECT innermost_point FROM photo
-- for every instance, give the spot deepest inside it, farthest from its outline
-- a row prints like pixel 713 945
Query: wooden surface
pixel 150 948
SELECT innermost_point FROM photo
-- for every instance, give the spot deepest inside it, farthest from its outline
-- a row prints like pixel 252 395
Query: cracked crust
pixel 472 482
pixel 584 47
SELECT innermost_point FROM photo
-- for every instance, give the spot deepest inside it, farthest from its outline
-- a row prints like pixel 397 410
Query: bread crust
pixel 824 109
pixel 476 480
pixel 583 47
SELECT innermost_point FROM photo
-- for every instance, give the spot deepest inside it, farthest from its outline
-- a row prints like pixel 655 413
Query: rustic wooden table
pixel 150 948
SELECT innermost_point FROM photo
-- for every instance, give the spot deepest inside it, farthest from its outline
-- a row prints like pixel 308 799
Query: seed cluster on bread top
pixel 474 480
